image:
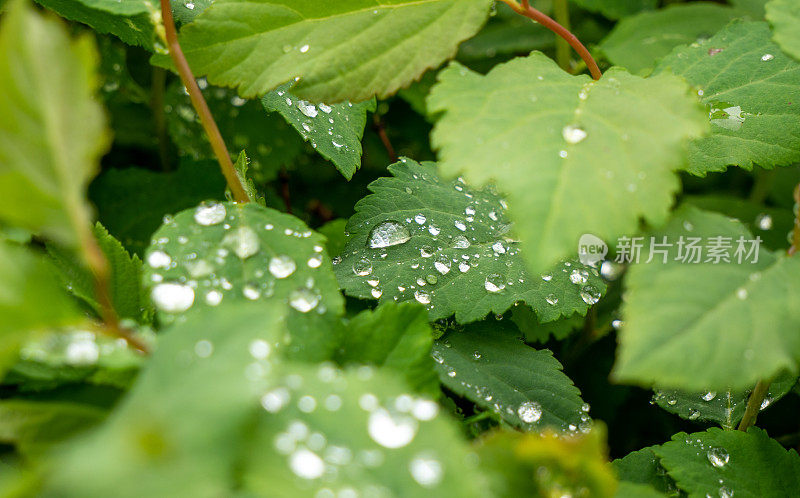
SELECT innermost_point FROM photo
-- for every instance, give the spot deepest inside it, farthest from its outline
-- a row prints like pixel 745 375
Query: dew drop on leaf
pixel 303 300
pixel 529 412
pixel 718 457
pixel 494 283
pixel 422 297
pixel 387 234
pixel 306 464
pixel 391 430
pixel 362 267
pixel 172 297
pixel 210 213
pixel 426 471
pixel 243 241
pixel 282 266
pixel 573 134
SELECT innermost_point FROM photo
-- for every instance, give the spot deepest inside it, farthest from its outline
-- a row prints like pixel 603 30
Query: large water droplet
pixel 718 457
pixel 388 233
pixel 158 259
pixel 442 265
pixel 243 241
pixel 573 134
pixel 172 298
pixel 210 213
pixel 426 471
pixel 304 300
pixel 308 109
pixel 590 295
pixel 391 431
pixel 282 266
pixel 529 412
pixel 709 396
pixel 461 242
pixel 494 283
pixel 422 297
pixel 362 267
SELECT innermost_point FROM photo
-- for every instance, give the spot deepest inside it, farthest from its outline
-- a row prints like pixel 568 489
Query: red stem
pixel 526 10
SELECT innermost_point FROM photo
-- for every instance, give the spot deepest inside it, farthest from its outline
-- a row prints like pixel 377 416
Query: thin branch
pixel 380 128
pixel 754 405
pixel 526 10
pixel 200 105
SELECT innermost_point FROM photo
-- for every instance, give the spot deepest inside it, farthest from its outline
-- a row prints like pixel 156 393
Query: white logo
pixel 591 249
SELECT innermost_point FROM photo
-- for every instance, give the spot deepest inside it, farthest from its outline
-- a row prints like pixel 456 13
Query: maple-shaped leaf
pixel 575 156
pixel 751 89
pixel 451 248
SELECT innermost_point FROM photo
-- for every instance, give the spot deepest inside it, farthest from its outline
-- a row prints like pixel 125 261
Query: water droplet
pixel 442 265
pixel 306 464
pixel 709 396
pixel 433 230
pixel 463 267
pixel 422 297
pixel 547 278
pixel 213 298
pixel 726 116
pixel 314 261
pixel 362 267
pixel 304 49
pixel 578 276
pixel 210 213
pixel 204 348
pixel 552 299
pixel 573 134
pixel 476 355
pixel 529 412
pixel 159 259
pixel 387 234
pixel 460 225
pixel 307 109
pixel 741 293
pixel 303 300
pixel 718 457
pixel 376 293
pixel 420 219
pixel 764 221
pixel 426 471
pixel 243 241
pixel 274 400
pixel 391 430
pixel 282 266
pixel 172 298
pixel 498 248
pixel 494 283
pixel 251 292
pixel 590 295
pixel 461 242
pixel 767 57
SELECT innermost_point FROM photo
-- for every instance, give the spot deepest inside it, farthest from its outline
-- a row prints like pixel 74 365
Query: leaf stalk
pixel 200 106
pixel 754 405
pixel 526 10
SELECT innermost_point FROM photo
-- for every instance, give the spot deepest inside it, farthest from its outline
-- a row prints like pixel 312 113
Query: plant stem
pixel 98 265
pixel 754 405
pixel 526 10
pixel 796 231
pixel 200 105
pixel 157 87
pixel 380 128
pixel 561 12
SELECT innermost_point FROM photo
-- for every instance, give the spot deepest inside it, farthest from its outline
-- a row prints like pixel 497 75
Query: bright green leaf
pixel 731 463
pixel 709 325
pixel 448 246
pixel 574 156
pixel 489 365
pixel 52 130
pixel 242 165
pixel 220 252
pixel 754 7
pixel 639 41
pixel 785 18
pixel 751 89
pixel 393 335
pixel 343 50
pixel 334 131
pixel 365 430
pixel 643 468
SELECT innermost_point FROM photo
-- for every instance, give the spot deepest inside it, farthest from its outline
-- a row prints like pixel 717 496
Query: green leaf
pixel 52 130
pixel 343 50
pixel 270 143
pixel 489 365
pixel 506 34
pixel 132 21
pixel 334 131
pixel 181 428
pixel 735 320
pixel 639 41
pixel 185 10
pixel 132 202
pixel 448 246
pixel 631 490
pixel 525 319
pixel 731 463
pixel 242 165
pixel 750 88
pixel 548 464
pixel 30 299
pixel 220 252
pixel 523 116
pixel 785 18
pixel 393 335
pixel 724 408
pixel 643 467
pixel 34 425
pixel 125 277
pixel 754 7
pixel 616 9
pixel 357 429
